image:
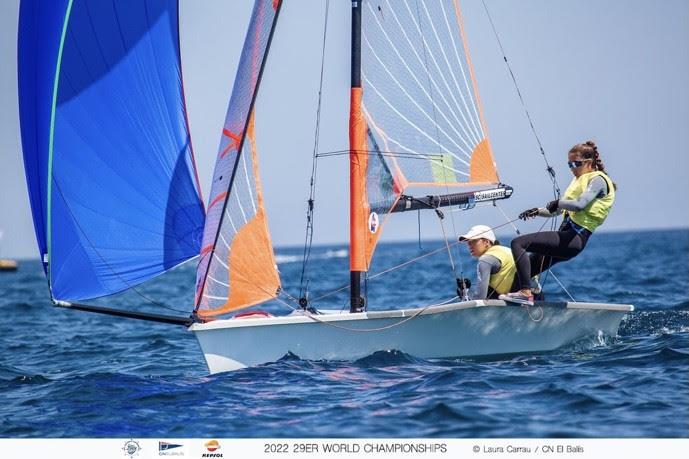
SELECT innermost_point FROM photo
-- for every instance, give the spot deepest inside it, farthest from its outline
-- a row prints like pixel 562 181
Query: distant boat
pixel 116 199
pixel 5 263
pixel 8 265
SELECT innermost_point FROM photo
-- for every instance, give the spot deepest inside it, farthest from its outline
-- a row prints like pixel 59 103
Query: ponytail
pixel 589 150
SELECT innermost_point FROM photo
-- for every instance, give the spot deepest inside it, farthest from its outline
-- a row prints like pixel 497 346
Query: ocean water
pixel 72 374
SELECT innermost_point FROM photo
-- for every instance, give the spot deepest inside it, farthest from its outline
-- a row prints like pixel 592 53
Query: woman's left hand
pixel 552 206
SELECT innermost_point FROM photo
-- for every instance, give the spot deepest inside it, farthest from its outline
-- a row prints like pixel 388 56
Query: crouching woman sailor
pixel 495 269
pixel 586 204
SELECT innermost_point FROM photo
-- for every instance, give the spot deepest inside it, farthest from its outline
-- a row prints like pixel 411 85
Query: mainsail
pixel 107 152
pixel 423 127
pixel 237 265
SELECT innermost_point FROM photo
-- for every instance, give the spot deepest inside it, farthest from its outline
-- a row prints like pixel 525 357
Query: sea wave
pixel 283 258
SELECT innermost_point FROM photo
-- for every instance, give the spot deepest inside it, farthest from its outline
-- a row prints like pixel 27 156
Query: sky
pixel 616 72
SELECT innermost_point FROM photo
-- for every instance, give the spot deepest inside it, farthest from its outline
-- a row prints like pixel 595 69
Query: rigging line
pixel 418 216
pixel 516 261
pixel 406 263
pixel 561 285
pixel 452 73
pixel 447 244
pixel 413 75
pixel 549 169
pixel 308 238
pixel 441 73
pixel 444 171
pixel 424 156
pixel 435 116
pixel 437 87
pixel 105 262
pixel 392 154
pixel 315 318
pixel 553 226
pixel 476 137
pixel 516 230
pixel 252 103
pixel 454 229
pixel 416 104
pixel 421 131
pixel 419 156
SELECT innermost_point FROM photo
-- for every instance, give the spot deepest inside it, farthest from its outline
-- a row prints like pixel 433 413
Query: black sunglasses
pixel 573 164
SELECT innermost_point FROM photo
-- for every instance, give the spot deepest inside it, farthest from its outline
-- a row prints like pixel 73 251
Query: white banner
pixel 223 448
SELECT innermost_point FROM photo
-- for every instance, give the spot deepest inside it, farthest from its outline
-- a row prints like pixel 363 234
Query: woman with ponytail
pixel 585 205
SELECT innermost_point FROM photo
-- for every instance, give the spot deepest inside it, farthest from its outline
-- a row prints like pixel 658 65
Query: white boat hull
pixel 471 328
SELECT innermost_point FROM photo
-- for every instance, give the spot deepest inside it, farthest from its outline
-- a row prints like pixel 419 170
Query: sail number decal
pixel 489 195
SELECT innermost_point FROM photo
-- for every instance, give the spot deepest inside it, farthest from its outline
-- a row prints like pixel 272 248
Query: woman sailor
pixel 495 269
pixel 585 204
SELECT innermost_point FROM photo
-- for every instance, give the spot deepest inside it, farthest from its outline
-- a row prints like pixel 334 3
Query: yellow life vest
pixel 501 281
pixel 593 215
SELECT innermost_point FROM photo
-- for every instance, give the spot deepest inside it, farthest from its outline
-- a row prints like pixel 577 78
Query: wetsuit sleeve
pixel 487 265
pixel 597 188
pixel 543 212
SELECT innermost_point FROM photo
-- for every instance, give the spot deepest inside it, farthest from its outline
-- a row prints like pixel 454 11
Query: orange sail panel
pixel 244 272
pixel 253 271
pixel 373 190
pixel 482 166
pixel 236 265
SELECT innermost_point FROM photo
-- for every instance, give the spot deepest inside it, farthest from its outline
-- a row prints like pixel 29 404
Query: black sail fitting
pixel 406 202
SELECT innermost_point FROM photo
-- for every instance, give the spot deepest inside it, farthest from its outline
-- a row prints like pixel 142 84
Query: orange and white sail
pixel 422 126
pixel 237 265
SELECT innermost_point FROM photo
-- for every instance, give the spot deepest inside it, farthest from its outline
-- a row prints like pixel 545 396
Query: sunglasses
pixel 574 164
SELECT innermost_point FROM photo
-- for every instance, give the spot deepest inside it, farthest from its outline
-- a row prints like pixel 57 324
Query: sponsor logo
pixel 169 449
pixel 373 222
pixel 489 195
pixel 212 446
pixel 131 448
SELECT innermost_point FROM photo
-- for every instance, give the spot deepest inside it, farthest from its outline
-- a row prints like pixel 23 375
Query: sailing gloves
pixel 553 205
pixel 527 214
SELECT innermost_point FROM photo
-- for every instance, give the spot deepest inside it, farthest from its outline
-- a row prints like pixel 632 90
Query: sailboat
pixel 6 264
pixel 116 199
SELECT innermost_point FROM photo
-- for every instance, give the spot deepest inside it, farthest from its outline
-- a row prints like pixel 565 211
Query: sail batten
pixel 237 264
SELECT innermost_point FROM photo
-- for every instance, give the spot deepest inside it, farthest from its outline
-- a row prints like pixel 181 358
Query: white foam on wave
pixel 282 259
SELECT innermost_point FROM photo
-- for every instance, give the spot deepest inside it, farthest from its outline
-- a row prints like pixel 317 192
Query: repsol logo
pixel 211 455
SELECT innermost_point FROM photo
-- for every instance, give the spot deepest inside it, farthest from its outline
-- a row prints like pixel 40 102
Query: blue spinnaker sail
pixel 106 143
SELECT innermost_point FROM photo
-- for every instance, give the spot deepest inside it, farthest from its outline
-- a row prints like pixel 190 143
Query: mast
pixel 357 168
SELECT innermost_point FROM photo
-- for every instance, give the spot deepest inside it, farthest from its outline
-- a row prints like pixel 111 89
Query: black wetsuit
pixel 550 247
pixel 546 249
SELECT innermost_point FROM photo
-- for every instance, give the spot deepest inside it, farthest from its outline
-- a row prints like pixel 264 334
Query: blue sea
pixel 73 374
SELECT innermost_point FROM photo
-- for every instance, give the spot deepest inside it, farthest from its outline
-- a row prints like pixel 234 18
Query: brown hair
pixel 589 150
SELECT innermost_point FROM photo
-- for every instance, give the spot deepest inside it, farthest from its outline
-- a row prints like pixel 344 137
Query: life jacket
pixel 501 281
pixel 593 215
